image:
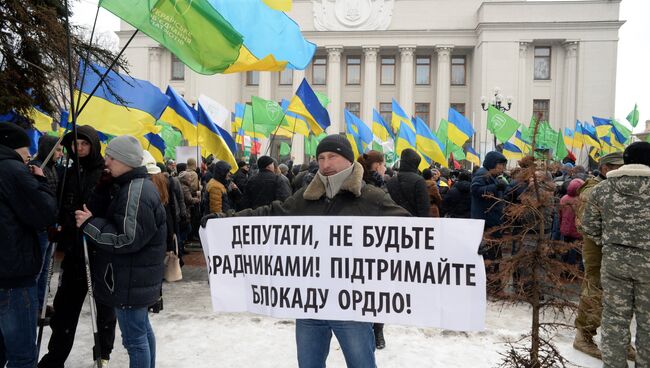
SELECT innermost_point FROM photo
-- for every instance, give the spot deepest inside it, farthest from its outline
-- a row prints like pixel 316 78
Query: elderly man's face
pixel 330 163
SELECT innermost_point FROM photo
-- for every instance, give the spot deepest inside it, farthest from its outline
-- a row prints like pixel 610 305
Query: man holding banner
pixel 337 190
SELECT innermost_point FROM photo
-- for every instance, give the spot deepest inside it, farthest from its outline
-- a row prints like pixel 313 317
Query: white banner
pixel 396 270
pixel 185 152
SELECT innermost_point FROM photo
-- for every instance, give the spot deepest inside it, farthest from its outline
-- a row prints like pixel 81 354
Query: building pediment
pixel 352 15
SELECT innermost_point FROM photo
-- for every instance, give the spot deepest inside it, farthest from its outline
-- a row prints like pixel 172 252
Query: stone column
pixel 154 65
pixel 523 102
pixel 570 80
pixel 369 83
pixel 406 81
pixel 334 88
pixel 298 141
pixel 443 83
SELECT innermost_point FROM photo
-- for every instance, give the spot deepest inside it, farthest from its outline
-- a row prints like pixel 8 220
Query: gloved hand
pixel 204 219
pixel 502 182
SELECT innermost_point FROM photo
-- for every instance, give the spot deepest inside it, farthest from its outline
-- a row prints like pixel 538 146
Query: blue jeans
pixel 18 314
pixel 313 338
pixel 137 337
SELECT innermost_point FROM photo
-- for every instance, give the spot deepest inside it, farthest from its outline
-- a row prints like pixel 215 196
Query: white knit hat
pixel 150 163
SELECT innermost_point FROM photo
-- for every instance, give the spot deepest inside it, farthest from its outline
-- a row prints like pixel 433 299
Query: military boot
pixel 586 344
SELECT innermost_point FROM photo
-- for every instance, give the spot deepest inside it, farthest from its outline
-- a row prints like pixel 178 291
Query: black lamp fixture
pixel 498 101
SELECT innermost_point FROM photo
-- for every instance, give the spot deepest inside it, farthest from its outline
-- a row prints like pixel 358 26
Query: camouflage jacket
pixel 616 212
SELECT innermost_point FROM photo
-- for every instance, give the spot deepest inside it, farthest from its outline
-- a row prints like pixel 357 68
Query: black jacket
pixel 26 206
pixel 264 188
pixel 91 169
pixel 130 238
pixel 457 203
pixel 241 179
pixel 409 190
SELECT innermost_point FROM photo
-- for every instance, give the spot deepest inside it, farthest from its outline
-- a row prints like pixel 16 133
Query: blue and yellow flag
pixel 42 121
pixel 472 156
pixel 428 144
pixel 297 123
pixel 180 115
pixel 306 103
pixel 569 138
pixel 212 142
pixel 155 145
pixel 578 136
pixel 382 132
pixel 406 139
pixel 519 141
pixel 459 129
pixel 358 133
pixel 238 117
pixel 121 105
pixel 400 118
pixel 512 152
pixel 589 135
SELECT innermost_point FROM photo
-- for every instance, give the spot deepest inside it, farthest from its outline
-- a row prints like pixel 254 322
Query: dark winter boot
pixel 378 328
pixel 586 344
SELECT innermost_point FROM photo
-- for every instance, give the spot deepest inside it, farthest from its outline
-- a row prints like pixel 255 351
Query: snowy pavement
pixel 189 334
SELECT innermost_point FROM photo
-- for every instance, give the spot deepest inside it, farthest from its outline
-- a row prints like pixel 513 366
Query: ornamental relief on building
pixel 352 15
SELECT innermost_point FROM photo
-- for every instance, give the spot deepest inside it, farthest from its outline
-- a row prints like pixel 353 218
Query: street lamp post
pixel 498 102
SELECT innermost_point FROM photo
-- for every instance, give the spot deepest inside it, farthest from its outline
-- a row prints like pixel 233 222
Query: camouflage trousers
pixel 591 293
pixel 626 292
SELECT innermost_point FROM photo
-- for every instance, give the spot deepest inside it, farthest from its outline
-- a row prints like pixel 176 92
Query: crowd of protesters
pixel 118 213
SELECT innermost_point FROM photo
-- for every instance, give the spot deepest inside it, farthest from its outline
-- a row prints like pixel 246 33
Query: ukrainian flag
pixel 358 133
pixel 603 126
pixel 121 105
pixel 212 142
pixel 306 104
pixel 472 156
pixel 569 138
pixel 400 118
pixel 382 133
pixel 238 120
pixel 428 144
pixel 42 121
pixel 578 136
pixel 155 145
pixel 520 142
pixel 594 153
pixel 297 123
pixel 512 152
pixel 459 129
pixel 181 116
pixel 589 135
pixel 406 139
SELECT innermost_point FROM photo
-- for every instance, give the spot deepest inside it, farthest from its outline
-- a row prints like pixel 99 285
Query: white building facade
pixel 555 59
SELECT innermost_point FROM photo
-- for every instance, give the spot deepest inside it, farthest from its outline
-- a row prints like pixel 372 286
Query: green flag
pixel 458 152
pixel 501 125
pixel 625 132
pixel 172 138
pixel 442 136
pixel 633 117
pixel 546 137
pixel 192 30
pixel 323 99
pixel 559 151
pixel 267 115
pixel 285 149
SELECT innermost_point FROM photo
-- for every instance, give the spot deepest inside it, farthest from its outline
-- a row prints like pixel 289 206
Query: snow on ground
pixel 189 334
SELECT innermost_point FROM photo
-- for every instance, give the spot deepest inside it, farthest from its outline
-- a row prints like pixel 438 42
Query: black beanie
pixel 637 153
pixel 13 136
pixel 263 162
pixel 241 163
pixel 338 144
pixel 409 160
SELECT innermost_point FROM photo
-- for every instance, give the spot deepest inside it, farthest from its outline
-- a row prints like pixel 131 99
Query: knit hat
pixel 493 158
pixel 409 160
pixel 125 149
pixel 241 163
pixel 263 162
pixel 637 153
pixel 338 144
pixel 615 158
pixel 13 136
pixel 150 163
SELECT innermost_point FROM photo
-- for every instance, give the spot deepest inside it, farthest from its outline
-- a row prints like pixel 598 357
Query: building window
pixel 253 78
pixel 353 70
pixel 460 107
pixel 422 112
pixel 178 68
pixel 387 70
pixel 354 108
pixel 542 63
pixel 286 77
pixel 319 71
pixel 386 111
pixel 541 109
pixel 422 70
pixel 458 69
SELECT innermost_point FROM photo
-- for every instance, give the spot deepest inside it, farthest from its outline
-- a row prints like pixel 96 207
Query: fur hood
pixel 631 180
pixel 630 170
pixel 353 184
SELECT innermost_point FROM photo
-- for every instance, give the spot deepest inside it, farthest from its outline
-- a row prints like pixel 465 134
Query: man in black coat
pixel 457 203
pixel 26 207
pixel 408 189
pixel 129 233
pixel 73 285
pixel 266 186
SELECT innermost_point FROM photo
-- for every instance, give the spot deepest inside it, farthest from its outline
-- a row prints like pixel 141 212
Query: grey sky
pixel 633 73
